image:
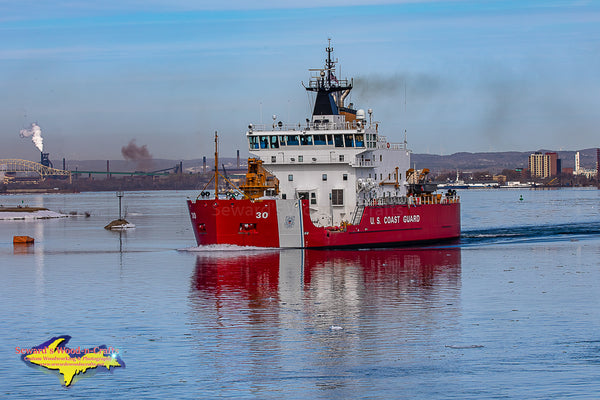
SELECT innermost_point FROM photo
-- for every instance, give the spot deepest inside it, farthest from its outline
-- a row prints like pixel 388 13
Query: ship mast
pixel 331 91
pixel 216 166
pixel 329 65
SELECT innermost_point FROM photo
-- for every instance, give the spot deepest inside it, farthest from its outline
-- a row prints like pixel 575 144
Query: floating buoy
pixel 521 198
pixel 23 240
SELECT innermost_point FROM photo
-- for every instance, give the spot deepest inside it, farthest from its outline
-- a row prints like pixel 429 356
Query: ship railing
pixel 359 162
pixel 275 127
pixel 310 126
pixel 387 201
pixel 320 126
pixel 433 198
pixel 414 200
pixel 391 146
pixel 330 126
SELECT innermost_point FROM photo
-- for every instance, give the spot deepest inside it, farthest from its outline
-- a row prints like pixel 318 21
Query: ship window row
pixel 336 197
pixel 336 140
pixel 323 177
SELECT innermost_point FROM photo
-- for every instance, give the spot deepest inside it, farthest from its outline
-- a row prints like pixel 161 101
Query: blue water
pixel 512 310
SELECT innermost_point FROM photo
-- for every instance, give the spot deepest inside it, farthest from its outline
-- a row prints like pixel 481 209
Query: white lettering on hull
pixel 395 219
pixel 411 218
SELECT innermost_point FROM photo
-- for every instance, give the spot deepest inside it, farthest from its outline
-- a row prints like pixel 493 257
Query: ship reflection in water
pixel 267 276
pixel 328 316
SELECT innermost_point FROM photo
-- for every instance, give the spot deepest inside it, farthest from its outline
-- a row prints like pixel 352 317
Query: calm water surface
pixel 510 311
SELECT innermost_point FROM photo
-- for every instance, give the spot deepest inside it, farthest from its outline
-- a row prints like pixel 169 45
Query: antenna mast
pixel 328 63
pixel 216 166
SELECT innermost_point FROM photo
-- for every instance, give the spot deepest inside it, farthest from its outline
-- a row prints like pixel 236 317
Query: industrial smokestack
pixel 204 164
pixel 45 160
pixel 238 159
pixel 64 164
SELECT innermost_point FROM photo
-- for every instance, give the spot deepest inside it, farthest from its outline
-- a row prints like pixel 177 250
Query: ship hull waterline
pixel 278 223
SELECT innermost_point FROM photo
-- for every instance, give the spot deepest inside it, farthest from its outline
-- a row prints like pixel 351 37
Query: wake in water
pixel 515 234
pixel 222 248
pixel 475 237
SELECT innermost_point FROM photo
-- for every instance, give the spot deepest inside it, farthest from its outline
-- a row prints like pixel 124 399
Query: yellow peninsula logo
pixel 70 363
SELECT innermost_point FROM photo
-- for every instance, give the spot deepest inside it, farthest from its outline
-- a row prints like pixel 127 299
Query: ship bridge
pixel 12 169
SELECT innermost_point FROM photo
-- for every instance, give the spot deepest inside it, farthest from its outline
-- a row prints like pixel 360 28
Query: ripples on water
pixel 514 234
pixel 509 311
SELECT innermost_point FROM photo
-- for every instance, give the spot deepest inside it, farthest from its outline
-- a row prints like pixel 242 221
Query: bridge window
pixel 264 142
pixel 292 140
pixel 306 140
pixel 253 140
pixel 339 140
pixel 282 140
pixel 360 141
pixel 330 140
pixel 274 143
pixel 349 139
pixel 320 140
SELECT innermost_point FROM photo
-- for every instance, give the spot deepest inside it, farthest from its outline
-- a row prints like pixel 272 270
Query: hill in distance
pixel 493 162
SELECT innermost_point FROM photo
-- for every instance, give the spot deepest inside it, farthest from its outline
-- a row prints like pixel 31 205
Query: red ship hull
pixel 287 223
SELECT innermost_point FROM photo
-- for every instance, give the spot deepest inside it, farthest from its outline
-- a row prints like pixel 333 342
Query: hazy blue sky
pixel 478 75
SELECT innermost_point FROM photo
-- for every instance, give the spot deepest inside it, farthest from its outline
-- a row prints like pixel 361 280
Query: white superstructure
pixel 337 160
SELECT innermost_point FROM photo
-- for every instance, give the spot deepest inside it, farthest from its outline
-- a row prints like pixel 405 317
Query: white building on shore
pixel 588 172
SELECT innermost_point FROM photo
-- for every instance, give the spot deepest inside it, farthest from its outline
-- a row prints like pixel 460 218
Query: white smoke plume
pixel 36 135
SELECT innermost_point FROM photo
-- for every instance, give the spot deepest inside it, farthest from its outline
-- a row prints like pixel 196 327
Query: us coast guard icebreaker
pixel 334 181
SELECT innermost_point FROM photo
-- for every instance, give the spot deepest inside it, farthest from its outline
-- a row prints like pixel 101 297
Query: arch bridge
pixel 14 165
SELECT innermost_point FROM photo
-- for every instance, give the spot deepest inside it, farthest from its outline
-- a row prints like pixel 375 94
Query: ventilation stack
pixel 45 160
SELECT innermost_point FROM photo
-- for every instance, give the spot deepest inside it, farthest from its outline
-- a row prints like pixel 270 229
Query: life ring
pixel 388 145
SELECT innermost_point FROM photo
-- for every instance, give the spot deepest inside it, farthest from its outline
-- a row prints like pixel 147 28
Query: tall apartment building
pixel 544 165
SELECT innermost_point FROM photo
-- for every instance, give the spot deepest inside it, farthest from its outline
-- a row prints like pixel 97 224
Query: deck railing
pixel 414 200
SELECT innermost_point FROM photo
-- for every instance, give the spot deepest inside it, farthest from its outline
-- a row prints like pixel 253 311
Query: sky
pixel 472 76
